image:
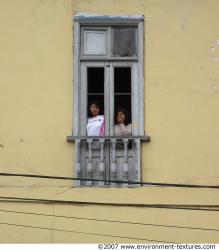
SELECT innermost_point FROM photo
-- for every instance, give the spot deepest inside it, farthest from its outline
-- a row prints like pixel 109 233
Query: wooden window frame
pixel 81 22
pixel 101 22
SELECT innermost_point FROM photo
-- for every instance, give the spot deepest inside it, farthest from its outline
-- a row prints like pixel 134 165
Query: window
pixel 108 67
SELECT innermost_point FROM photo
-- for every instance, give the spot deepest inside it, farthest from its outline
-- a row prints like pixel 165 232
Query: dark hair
pixel 96 103
pixel 126 114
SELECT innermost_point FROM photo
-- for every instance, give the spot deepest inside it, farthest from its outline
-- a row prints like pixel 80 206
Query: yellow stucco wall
pixel 181 113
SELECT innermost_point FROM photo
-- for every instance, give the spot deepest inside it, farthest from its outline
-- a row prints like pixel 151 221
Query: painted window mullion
pixel 107 98
pixel 83 100
pixel 111 97
pixel 135 100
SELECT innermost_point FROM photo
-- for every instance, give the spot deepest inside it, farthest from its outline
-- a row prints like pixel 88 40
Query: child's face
pixel 94 110
pixel 120 117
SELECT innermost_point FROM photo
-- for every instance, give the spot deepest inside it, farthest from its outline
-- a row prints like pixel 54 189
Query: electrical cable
pixel 87 233
pixel 139 205
pixel 113 181
pixel 110 221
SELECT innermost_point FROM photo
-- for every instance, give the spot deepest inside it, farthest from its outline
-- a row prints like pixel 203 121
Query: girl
pixel 122 127
pixel 95 124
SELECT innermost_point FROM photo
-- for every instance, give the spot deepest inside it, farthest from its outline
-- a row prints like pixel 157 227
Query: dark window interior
pixel 122 80
pixel 95 79
pixel 95 82
pixel 122 89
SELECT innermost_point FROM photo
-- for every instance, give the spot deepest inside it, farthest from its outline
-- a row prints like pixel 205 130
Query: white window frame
pixel 100 22
pixel 81 22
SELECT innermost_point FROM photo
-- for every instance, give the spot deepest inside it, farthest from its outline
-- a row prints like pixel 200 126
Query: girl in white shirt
pixel 95 123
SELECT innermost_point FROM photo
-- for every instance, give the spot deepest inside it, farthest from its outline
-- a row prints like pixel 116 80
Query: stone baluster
pixel 101 164
pixel 78 161
pixel 89 173
pixel 113 163
pixel 125 161
pixel 137 157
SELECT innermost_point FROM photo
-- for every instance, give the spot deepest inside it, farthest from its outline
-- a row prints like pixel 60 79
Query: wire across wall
pixel 204 207
pixel 112 181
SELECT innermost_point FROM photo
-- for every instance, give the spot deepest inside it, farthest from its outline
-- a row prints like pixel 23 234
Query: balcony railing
pixel 104 161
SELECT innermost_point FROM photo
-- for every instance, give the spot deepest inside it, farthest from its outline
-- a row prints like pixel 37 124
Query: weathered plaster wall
pixel 181 100
pixel 181 92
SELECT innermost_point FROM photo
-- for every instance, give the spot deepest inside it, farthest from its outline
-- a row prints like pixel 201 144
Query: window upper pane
pixel 109 42
pixel 124 42
pixel 95 42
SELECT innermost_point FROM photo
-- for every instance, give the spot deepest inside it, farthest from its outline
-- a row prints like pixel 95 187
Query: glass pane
pixel 124 42
pixel 95 42
pixel 95 80
pixel 122 80
pixel 124 102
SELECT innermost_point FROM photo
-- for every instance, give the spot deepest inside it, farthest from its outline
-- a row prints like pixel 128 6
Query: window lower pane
pixel 122 80
pixel 95 80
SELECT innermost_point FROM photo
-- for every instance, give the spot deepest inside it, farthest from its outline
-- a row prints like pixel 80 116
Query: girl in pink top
pixel 122 126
